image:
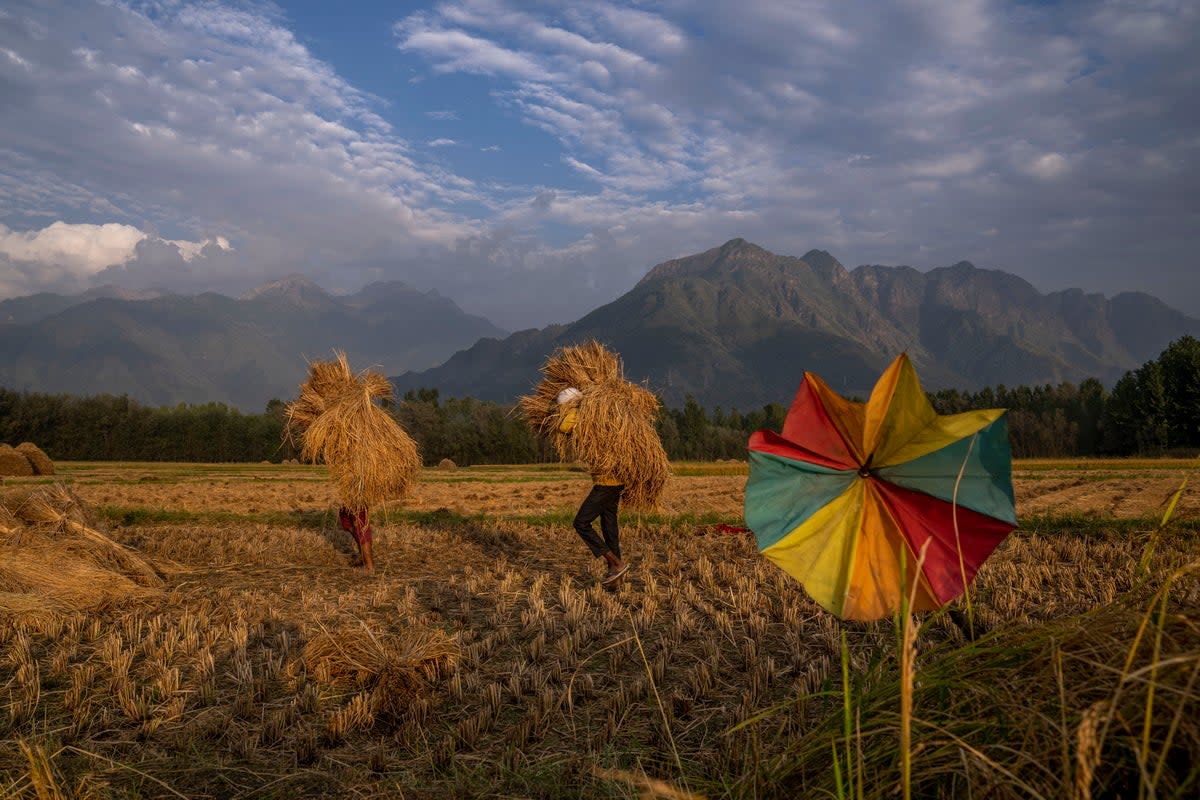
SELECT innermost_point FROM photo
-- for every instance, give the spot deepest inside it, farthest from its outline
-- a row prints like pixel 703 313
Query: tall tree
pixel 1180 366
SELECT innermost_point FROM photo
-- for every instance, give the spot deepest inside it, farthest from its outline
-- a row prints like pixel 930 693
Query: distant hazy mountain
pixel 165 349
pixel 737 325
pixel 24 310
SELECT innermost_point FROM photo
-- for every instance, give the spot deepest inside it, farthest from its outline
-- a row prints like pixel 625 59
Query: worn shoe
pixel 613 577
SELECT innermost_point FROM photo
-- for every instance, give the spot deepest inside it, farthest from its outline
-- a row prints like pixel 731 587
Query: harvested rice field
pixel 483 659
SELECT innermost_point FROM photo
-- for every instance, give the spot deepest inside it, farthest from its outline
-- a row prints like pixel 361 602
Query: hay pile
pixel 53 560
pixel 337 420
pixel 447 463
pixel 614 420
pixel 394 669
pixel 41 463
pixel 13 463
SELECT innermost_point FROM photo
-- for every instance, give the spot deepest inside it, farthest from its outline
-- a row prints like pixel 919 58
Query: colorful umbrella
pixel 846 487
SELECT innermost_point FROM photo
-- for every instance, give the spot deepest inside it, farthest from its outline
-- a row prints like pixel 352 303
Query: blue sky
pixel 532 160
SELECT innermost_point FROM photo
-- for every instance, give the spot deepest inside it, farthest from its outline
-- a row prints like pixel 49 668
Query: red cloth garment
pixel 356 524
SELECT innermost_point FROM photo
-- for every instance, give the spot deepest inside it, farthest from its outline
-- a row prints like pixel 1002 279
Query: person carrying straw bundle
pixel 584 405
pixel 371 459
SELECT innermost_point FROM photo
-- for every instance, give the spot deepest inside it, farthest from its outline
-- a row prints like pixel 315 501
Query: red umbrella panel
pixel 849 492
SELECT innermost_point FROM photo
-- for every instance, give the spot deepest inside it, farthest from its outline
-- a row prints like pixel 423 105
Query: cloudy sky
pixel 533 159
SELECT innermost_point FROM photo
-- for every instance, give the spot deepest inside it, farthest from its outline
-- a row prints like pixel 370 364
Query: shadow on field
pixel 475 530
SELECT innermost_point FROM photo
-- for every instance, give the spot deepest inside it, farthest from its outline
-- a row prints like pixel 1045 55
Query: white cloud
pixel 66 256
pixel 1048 166
pixel 951 165
pixel 641 29
pixel 1146 25
pixel 441 142
pixel 82 249
pixel 586 169
pixel 89 248
pixel 459 52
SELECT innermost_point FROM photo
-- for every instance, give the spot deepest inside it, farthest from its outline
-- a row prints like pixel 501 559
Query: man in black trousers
pixel 601 502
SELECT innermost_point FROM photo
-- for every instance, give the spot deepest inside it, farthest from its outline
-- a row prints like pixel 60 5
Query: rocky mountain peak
pixel 295 289
pixel 738 325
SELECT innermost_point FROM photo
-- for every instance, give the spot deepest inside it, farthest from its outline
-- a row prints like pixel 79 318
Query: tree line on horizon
pixel 1153 410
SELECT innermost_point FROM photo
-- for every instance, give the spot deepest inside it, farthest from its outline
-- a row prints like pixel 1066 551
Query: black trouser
pixel 601 502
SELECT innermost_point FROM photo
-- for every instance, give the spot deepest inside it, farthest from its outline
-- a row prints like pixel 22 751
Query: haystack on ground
pixel 13 463
pixel 614 421
pixel 54 561
pixel 42 465
pixel 394 669
pixel 337 420
pixel 447 463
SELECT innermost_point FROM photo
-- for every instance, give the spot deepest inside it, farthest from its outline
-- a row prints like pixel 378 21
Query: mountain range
pixel 733 326
pixel 163 349
pixel 737 325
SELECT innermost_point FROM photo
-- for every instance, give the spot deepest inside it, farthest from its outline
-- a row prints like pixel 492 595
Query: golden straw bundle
pixel 581 366
pixel 53 561
pixel 370 457
pixel 55 519
pixel 614 421
pixel 395 669
pixel 326 380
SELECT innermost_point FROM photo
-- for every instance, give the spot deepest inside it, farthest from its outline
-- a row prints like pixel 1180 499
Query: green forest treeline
pixel 1152 410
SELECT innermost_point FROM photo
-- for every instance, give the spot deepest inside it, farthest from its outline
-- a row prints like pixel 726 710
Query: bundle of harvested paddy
pixel 42 465
pixel 581 366
pixel 447 463
pixel 370 457
pixel 45 504
pixel 13 463
pixel 614 421
pixel 53 561
pixel 41 579
pixel 54 517
pixel 395 669
pixel 326 381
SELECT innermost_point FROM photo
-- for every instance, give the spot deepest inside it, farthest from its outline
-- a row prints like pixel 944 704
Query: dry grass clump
pixel 1063 709
pixel 338 421
pixel 41 463
pixel 614 420
pixel 396 670
pixel 13 463
pixel 52 559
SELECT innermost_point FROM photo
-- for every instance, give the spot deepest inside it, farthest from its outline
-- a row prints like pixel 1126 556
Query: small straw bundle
pixel 53 561
pixel 41 463
pixel 396 669
pixel 614 421
pixel 370 457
